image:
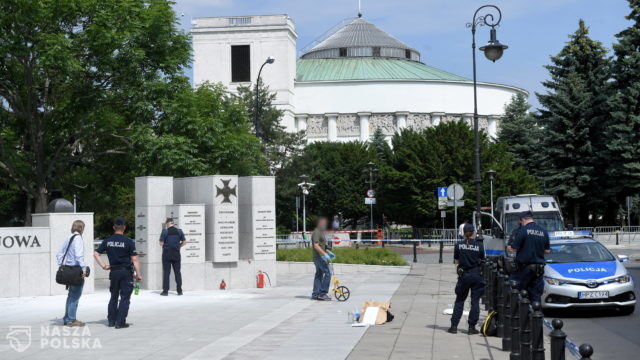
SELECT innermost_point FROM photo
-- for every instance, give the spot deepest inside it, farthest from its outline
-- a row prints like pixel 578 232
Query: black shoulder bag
pixel 69 274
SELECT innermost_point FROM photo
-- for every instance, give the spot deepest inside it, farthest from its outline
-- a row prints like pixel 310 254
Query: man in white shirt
pixel 74 257
pixel 461 229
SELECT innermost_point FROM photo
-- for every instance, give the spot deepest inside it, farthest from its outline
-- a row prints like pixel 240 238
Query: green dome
pixel 369 69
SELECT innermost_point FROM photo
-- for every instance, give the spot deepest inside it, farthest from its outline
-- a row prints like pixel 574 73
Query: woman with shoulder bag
pixel 71 253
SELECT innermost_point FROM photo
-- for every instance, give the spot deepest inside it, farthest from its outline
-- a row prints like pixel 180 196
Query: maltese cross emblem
pixel 226 191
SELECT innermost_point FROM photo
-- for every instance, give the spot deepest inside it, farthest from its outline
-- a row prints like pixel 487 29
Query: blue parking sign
pixel 442 191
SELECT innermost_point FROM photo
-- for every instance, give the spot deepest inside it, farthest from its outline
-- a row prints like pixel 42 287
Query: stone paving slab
pixel 271 323
pixel 419 329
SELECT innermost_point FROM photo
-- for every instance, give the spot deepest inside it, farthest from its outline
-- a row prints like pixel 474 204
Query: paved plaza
pixel 272 323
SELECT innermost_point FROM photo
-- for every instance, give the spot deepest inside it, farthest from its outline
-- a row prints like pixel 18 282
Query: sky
pixel 534 30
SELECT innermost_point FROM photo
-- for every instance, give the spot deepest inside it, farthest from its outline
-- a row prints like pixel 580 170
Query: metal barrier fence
pixel 614 234
pixel 521 323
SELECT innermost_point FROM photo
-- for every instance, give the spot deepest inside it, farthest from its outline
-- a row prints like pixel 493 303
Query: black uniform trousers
pixel 469 281
pixel 529 279
pixel 171 258
pixel 121 287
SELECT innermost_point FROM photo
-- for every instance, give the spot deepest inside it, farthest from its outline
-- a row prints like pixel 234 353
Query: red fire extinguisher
pixel 223 285
pixel 260 278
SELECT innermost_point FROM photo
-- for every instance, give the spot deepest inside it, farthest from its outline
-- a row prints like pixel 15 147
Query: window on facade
pixel 376 51
pixel 407 54
pixel 343 52
pixel 240 63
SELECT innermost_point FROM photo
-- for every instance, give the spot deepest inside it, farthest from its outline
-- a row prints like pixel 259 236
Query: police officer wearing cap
pixel 123 259
pixel 468 254
pixel 171 240
pixel 530 243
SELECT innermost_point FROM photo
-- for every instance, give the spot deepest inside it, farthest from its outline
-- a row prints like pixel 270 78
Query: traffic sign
pixel 455 191
pixel 370 201
pixel 371 193
pixel 442 203
pixel 442 192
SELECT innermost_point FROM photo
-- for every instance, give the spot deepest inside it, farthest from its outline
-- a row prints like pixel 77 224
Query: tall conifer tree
pixel 571 110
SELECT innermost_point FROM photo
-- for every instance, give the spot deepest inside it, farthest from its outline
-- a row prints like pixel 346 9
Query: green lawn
pixel 367 256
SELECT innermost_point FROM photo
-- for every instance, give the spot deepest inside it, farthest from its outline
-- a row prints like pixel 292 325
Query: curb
pixel 292 267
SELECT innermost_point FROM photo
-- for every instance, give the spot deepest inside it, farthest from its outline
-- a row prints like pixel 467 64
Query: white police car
pixel 581 272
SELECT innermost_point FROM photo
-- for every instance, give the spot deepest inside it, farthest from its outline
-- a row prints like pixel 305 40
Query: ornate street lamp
pixel 304 186
pixel 270 60
pixel 492 51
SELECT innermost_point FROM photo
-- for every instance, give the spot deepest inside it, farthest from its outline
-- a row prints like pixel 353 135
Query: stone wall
pixel 348 125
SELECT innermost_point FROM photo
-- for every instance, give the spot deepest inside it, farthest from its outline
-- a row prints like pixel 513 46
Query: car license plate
pixel 593 294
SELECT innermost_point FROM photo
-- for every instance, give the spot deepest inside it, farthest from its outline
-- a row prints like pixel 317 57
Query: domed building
pixel 355 81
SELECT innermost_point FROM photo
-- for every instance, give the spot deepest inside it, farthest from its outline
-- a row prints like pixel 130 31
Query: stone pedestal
pixel 257 218
pixel 59 225
pixel 153 194
pixel 190 218
pixel 219 193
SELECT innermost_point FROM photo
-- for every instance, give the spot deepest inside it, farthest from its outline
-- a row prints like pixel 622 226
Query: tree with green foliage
pixel 438 156
pixel 280 145
pixel 622 129
pixel 200 132
pixel 77 76
pixel 572 110
pixel 336 171
pixel 380 147
pixel 520 132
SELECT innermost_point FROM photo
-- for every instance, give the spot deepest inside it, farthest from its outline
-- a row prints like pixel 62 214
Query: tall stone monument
pixel 229 223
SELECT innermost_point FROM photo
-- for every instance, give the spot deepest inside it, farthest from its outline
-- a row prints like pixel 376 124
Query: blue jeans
pixel 322 280
pixel 469 281
pixel 122 287
pixel 73 297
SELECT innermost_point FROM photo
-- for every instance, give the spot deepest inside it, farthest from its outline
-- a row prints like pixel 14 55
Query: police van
pixel 546 213
pixel 581 272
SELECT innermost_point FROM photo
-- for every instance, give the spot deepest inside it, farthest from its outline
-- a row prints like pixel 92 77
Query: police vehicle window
pixel 549 221
pixel 511 222
pixel 578 252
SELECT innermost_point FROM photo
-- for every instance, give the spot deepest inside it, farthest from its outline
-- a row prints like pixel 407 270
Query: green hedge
pixel 367 256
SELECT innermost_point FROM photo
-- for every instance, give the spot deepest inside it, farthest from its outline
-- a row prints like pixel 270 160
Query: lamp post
pixel 493 51
pixel 491 175
pixel 371 170
pixel 270 60
pixel 305 186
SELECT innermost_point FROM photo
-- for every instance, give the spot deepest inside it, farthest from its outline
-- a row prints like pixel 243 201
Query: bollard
pixel 494 286
pixel 515 321
pixel 585 351
pixel 500 305
pixel 506 292
pixel 441 248
pixel 415 252
pixel 537 332
pixel 487 284
pixel 558 338
pixel 525 327
pixel 617 239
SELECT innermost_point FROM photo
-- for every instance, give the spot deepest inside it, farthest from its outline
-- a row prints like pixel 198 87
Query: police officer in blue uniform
pixel 171 240
pixel 530 243
pixel 468 254
pixel 123 259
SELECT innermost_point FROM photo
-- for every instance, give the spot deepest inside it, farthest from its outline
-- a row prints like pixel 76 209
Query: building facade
pixel 354 82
